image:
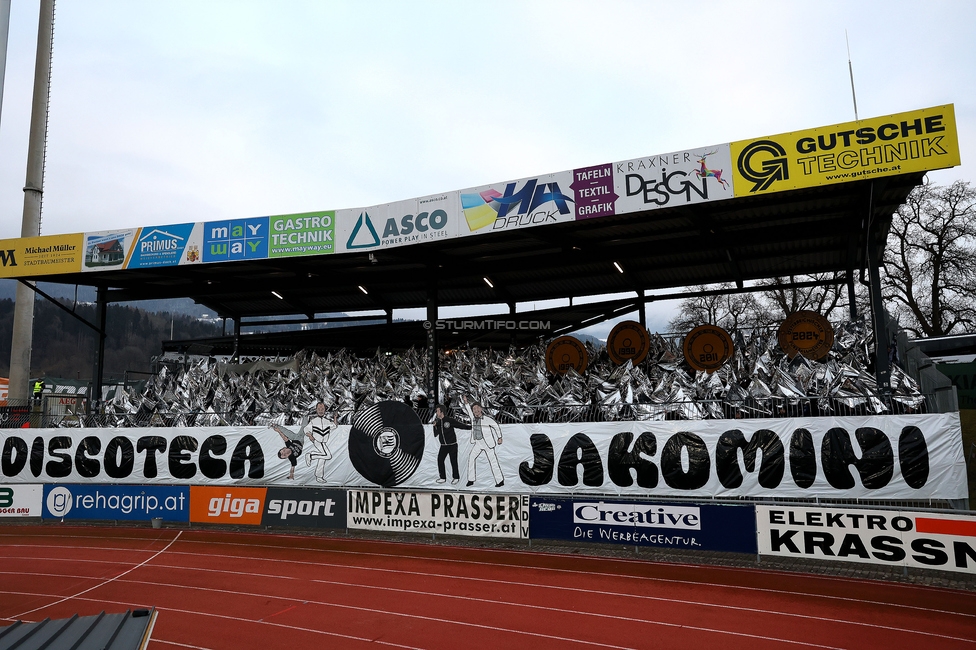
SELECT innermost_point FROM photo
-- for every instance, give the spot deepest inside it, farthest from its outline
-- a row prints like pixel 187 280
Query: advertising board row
pixel 884 537
pixel 919 140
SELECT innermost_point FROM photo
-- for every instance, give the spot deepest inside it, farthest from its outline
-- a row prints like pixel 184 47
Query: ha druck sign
pixel 922 540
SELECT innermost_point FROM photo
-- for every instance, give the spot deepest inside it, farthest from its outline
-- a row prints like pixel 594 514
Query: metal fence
pixel 59 412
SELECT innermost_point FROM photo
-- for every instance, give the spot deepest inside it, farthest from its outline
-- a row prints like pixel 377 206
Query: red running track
pixel 220 590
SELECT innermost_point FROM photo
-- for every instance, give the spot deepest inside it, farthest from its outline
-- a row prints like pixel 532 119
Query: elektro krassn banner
pixel 886 457
pixel 692 526
pixel 475 515
pixel 923 540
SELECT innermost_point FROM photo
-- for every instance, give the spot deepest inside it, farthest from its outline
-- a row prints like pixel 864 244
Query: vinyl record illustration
pixel 386 443
pixel 628 340
pixel 807 333
pixel 708 347
pixel 564 353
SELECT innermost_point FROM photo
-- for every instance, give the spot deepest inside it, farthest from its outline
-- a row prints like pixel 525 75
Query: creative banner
pixel 643 523
pixel 922 540
pixel 107 250
pixel 50 255
pixel 449 513
pixel 915 141
pixel 116 502
pixel 304 508
pixel 875 457
pixel 673 179
pixel 21 500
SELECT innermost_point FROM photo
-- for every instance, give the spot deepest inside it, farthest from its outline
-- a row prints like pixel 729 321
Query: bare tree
pixel 825 300
pixel 930 260
pixel 729 310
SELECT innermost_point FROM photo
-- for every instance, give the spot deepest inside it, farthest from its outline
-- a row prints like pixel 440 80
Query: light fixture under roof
pixel 488 282
pixel 618 267
pixel 277 295
pixel 363 289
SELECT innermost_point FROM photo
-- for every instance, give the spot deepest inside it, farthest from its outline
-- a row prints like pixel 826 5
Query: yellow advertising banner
pixel 47 255
pixel 903 143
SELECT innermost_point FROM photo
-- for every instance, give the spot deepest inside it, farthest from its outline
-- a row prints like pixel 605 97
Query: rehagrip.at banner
pixel 878 457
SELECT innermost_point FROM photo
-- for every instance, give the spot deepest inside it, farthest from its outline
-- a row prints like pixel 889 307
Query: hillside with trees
pixel 65 347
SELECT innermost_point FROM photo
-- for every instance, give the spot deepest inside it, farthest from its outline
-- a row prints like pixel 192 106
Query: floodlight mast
pixel 22 338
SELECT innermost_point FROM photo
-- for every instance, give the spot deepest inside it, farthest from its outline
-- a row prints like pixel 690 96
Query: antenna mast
pixel 850 68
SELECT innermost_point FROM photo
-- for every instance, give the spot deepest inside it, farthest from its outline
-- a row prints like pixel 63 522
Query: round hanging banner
pixel 628 340
pixel 566 352
pixel 708 347
pixel 807 333
pixel 386 443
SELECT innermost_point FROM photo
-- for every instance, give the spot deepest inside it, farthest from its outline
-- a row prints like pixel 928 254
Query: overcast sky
pixel 170 112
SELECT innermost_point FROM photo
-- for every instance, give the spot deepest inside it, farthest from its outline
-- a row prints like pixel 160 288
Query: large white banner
pixel 881 457
pixel 923 540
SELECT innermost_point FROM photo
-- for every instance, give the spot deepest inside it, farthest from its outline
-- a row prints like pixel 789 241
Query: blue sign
pixel 160 246
pixel 237 239
pixel 117 502
pixel 642 523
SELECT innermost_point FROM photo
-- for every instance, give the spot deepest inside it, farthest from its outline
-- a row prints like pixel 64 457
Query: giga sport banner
pixel 893 537
pixel 886 457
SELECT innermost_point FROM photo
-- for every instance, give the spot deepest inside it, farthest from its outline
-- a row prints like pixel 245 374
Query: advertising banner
pixel 166 246
pixel 923 540
pixel 963 377
pixel 449 513
pixel 227 505
pixel 415 221
pixel 876 457
pixel 310 233
pixel 673 179
pixel 48 255
pixel 524 203
pixel 304 508
pixel 116 502
pixel 21 500
pixel 235 239
pixel 915 141
pixel 107 250
pixel 643 523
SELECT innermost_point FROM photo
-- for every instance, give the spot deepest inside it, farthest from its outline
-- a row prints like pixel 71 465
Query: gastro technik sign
pixel 641 523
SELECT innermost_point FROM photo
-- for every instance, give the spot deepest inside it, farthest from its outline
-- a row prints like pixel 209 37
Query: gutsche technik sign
pixel 914 141
pixel 876 457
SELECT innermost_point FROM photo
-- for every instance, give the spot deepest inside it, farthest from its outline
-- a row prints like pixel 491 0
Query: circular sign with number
pixel 807 333
pixel 628 340
pixel 564 353
pixel 708 347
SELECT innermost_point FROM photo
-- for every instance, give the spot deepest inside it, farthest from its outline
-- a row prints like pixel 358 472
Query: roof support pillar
pixel 95 398
pixel 643 309
pixel 237 340
pixel 431 324
pixel 882 369
pixel 851 296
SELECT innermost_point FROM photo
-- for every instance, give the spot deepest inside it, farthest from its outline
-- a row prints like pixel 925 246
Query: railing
pixel 774 407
